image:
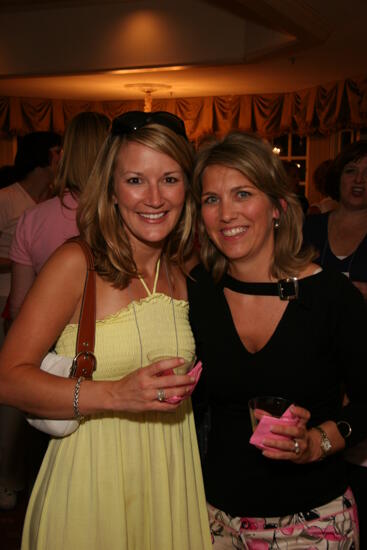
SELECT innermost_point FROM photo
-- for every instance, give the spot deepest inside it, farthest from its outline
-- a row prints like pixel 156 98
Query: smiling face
pixel 353 184
pixel 238 217
pixel 149 190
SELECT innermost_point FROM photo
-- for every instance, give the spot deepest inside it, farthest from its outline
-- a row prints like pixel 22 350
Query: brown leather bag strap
pixel 84 361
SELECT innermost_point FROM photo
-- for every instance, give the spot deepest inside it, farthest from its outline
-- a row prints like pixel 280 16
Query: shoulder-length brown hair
pixel 352 153
pixel 83 138
pixel 100 222
pixel 255 159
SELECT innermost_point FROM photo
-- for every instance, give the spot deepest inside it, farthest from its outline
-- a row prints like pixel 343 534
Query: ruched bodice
pixel 117 338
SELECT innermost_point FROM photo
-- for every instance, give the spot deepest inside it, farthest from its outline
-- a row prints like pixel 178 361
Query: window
pixel 293 148
pixel 346 137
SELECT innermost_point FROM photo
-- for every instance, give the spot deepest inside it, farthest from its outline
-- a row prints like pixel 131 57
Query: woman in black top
pixel 340 237
pixel 260 335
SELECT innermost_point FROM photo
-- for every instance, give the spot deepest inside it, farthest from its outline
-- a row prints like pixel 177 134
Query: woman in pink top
pixel 45 227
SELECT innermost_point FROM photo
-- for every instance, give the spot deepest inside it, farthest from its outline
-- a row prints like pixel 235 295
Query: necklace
pixel 150 294
pixel 326 248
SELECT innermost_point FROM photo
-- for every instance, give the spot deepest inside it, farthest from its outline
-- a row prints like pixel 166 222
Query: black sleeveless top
pixel 315 232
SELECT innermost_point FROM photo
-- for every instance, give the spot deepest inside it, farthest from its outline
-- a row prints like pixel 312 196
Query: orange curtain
pixel 323 109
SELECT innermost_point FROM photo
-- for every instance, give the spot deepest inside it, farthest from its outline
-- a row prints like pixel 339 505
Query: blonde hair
pixel 255 159
pixel 100 222
pixel 84 136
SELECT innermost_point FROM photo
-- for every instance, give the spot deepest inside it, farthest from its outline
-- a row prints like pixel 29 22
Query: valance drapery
pixel 322 109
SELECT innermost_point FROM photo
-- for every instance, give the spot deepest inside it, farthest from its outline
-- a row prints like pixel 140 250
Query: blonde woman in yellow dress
pixel 129 478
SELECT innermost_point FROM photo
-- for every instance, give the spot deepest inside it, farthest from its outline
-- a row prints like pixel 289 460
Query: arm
pixel 348 310
pixel 22 278
pixel 351 338
pixel 53 301
pixel 5 264
pixel 308 440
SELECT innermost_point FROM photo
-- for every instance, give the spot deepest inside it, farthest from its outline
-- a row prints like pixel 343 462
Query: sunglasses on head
pixel 134 120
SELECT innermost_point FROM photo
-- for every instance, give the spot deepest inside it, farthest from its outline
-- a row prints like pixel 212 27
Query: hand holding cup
pixel 267 412
pixel 185 368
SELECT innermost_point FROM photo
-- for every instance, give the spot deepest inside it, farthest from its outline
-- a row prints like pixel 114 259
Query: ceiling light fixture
pixel 151 69
pixel 148 89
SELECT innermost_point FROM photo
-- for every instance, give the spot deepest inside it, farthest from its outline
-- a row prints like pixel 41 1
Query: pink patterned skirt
pixel 333 526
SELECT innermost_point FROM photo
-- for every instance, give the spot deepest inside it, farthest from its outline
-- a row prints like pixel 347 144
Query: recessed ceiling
pixel 118 50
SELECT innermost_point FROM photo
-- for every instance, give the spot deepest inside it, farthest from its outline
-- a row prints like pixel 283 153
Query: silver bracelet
pixel 76 398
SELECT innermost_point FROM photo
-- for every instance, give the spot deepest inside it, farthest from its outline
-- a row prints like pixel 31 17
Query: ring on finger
pixel 296 448
pixel 161 396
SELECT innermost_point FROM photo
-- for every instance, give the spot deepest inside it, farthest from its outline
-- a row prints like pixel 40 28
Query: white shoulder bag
pixel 84 362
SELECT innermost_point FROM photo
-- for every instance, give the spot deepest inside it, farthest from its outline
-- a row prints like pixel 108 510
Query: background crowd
pixel 277 307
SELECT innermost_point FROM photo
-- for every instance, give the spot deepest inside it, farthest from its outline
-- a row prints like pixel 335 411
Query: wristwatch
pixel 344 428
pixel 325 443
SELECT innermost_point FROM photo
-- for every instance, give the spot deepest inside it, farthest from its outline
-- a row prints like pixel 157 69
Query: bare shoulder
pixel 67 264
pixel 68 256
pixel 52 302
pixel 61 280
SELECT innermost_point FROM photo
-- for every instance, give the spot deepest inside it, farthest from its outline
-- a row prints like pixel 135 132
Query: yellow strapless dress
pixel 124 481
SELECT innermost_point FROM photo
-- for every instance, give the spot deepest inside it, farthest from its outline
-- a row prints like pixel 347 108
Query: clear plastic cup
pixel 267 405
pixel 159 354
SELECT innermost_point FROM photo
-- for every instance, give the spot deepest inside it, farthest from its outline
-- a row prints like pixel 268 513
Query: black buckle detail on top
pixel 288 288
